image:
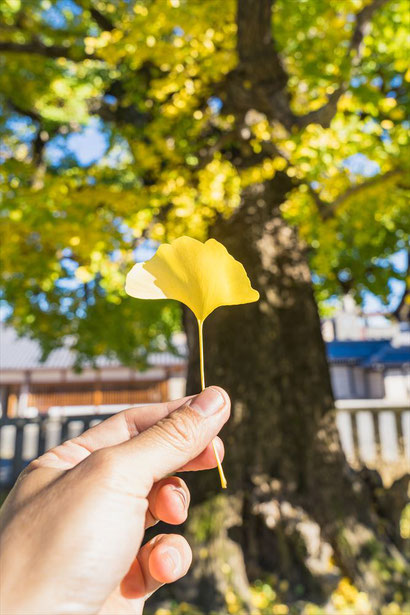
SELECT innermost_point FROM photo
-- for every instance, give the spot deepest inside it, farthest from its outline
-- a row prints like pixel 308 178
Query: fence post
pixel 355 436
pixel 42 437
pixel 86 424
pixel 18 463
pixel 377 443
pixel 399 433
pixel 64 430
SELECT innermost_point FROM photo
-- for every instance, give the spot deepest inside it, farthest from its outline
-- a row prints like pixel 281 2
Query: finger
pixel 117 429
pixel 168 501
pixel 164 559
pixel 170 498
pixel 174 441
pixel 168 561
pixel 206 460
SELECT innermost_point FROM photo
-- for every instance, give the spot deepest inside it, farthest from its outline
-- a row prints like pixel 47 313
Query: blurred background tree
pixel 280 129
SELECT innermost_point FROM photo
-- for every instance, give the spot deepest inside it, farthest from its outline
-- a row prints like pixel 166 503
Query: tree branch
pixel 40 167
pixel 57 51
pixel 36 117
pixel 103 22
pixel 129 114
pixel 325 114
pixel 38 48
pixel 320 204
pixel 43 135
pixel 260 79
pixel 402 312
pixel 254 30
pixel 51 51
pixel 328 210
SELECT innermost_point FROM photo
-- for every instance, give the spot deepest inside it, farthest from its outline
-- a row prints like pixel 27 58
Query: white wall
pixel 359 382
pixel 176 387
pixel 375 381
pixel 339 375
pixel 397 384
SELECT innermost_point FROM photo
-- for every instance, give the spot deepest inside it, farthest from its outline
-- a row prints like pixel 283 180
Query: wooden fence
pixel 378 437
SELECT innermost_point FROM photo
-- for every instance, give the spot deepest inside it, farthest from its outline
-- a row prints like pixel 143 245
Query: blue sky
pixel 88 145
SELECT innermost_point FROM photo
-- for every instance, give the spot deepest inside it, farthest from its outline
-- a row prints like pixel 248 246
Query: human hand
pixel 72 527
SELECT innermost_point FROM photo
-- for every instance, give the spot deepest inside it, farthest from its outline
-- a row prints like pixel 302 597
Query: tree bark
pixel 297 502
pixel 270 354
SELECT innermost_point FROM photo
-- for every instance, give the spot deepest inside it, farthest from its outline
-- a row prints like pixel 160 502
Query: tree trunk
pixel 296 502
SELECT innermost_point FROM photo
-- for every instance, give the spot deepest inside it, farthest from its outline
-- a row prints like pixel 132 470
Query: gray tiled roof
pixel 22 353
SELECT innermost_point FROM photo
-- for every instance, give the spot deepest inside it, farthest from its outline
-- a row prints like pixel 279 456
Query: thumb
pixel 176 439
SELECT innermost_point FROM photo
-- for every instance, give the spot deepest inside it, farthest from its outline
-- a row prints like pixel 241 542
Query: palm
pixel 116 603
pixel 103 512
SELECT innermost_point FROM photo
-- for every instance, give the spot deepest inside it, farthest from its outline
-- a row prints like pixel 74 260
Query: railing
pixel 375 434
pixel 22 440
pixel 371 434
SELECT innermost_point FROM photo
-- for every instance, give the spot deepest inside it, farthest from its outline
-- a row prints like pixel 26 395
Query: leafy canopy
pixel 176 87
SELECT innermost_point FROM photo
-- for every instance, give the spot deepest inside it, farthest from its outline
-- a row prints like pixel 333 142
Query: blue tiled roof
pixel 367 353
pixel 390 355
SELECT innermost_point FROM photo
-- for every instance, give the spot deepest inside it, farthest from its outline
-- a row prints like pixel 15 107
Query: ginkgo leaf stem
pixel 224 483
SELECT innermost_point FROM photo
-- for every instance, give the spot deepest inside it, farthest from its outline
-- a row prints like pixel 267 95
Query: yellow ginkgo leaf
pixel 203 276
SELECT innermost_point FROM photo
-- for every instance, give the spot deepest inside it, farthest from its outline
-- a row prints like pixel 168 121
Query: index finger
pixel 115 430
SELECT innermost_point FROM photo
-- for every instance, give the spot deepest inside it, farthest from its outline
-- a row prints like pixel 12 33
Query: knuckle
pixel 180 429
pixel 103 461
pixel 33 465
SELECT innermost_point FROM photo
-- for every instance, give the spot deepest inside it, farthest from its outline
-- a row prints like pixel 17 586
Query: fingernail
pixel 181 495
pixel 173 558
pixel 208 402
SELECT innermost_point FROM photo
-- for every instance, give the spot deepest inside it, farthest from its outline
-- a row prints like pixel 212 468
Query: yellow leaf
pixel 386 104
pixel 84 275
pixel 203 276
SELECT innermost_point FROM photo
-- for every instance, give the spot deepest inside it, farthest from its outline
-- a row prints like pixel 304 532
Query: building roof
pixel 390 355
pixel 22 353
pixel 353 351
pixel 367 353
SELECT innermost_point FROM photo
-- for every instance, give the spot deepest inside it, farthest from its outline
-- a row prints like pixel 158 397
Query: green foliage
pixel 151 73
